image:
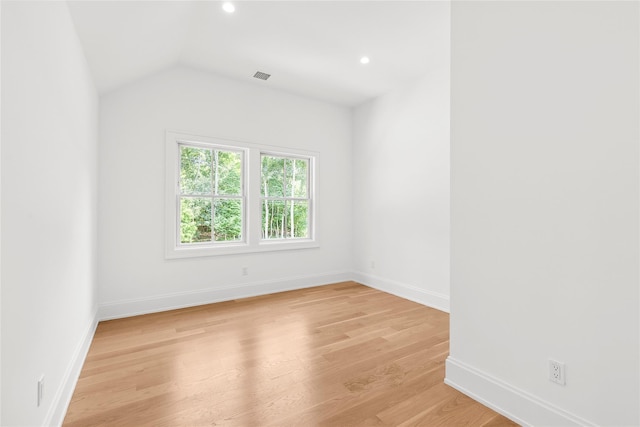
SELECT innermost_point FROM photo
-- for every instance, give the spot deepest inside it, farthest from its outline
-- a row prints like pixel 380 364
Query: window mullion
pixel 254 214
pixel 296 199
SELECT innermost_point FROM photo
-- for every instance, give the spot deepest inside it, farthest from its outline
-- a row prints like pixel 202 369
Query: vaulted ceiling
pixel 311 48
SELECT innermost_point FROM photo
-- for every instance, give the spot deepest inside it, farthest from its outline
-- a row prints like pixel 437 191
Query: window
pixel 285 197
pixel 211 195
pixel 226 197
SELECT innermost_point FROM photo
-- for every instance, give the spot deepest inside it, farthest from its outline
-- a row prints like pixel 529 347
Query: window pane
pixel 195 220
pixel 297 219
pixel 228 172
pixel 227 221
pixel 296 172
pixel 195 170
pixel 285 219
pixel 273 219
pixel 272 177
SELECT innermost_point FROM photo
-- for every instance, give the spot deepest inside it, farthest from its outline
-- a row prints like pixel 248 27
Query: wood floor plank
pixel 336 355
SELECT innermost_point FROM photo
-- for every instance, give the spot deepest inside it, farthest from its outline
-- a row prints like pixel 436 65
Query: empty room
pixel 320 213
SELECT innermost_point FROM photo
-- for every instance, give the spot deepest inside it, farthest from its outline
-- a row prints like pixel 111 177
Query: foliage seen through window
pixel 211 195
pixel 285 197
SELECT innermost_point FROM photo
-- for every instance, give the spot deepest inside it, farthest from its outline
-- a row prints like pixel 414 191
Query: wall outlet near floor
pixel 373 265
pixel 40 390
pixel 557 372
pixel 245 271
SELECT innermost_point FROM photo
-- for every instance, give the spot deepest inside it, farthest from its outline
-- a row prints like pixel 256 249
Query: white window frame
pixel 213 197
pixel 252 209
pixel 285 198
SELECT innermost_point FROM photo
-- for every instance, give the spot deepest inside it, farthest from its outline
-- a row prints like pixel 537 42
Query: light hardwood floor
pixel 336 355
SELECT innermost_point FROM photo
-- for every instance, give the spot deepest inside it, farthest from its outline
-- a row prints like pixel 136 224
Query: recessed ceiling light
pixel 228 7
pixel 364 60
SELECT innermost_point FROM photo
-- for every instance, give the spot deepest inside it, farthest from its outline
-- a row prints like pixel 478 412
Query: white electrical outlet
pixel 245 271
pixel 557 372
pixel 373 265
pixel 40 390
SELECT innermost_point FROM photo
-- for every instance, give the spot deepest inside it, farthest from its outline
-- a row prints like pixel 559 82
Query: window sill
pixel 240 248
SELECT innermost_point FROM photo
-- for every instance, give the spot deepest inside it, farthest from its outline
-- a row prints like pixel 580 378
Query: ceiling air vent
pixel 262 76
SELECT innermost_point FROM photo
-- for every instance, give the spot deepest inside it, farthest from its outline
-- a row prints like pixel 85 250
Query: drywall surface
pixel 134 275
pixel 0 213
pixel 545 211
pixel 49 139
pixel 401 190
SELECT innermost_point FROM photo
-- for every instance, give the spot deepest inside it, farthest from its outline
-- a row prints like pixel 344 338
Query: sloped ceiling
pixel 311 48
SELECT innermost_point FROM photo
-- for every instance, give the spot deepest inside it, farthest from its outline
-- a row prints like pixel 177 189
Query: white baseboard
pixel 515 404
pixel 134 307
pixel 60 402
pixel 403 290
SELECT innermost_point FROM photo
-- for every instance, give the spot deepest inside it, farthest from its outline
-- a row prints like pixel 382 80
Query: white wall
pixel 0 212
pixel 49 137
pixel 134 275
pixel 545 210
pixel 401 190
